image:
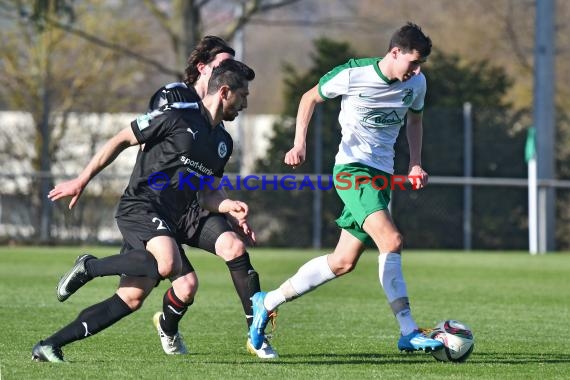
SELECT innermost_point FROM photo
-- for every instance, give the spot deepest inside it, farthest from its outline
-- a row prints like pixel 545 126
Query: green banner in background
pixel 530 147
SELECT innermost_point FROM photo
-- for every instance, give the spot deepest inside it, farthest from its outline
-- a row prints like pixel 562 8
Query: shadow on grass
pixel 332 359
pixel 518 357
pixel 379 359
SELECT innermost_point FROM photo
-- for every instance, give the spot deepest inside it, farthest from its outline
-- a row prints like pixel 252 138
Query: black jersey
pixel 170 94
pixel 180 150
pixel 177 92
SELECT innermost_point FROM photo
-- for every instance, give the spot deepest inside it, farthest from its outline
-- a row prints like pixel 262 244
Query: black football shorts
pixel 138 229
pixel 203 234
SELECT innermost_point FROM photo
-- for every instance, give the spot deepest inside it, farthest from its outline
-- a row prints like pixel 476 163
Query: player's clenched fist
pixel 295 156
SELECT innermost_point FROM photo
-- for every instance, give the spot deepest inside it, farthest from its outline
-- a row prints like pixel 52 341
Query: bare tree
pixel 35 85
pixel 181 21
pixel 184 25
pixel 52 62
pixel 49 75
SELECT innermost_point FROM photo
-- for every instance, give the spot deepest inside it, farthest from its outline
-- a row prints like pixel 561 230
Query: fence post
pixel 467 173
pixel 544 118
pixel 530 155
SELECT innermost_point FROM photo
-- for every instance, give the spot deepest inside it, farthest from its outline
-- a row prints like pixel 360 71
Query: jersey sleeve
pixel 417 105
pixel 150 126
pixel 172 93
pixel 335 82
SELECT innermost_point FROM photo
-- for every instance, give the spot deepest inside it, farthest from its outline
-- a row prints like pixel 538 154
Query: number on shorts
pixel 161 224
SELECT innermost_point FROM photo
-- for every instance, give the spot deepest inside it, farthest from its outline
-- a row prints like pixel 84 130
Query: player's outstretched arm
pixel 414 130
pixel 107 154
pixel 296 156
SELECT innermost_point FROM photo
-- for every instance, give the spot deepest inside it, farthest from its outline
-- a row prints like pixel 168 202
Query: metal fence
pixel 437 217
pixel 477 197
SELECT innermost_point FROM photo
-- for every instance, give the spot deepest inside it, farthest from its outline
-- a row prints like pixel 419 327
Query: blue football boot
pixel 417 341
pixel 260 319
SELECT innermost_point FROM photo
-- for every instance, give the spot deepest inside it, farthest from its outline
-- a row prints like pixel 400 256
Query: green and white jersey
pixel 372 110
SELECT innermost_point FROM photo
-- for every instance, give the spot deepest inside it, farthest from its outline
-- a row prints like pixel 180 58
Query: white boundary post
pixel 530 155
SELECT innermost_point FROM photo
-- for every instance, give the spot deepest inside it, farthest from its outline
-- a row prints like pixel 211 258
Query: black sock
pixel 246 282
pixel 90 321
pixel 173 310
pixel 137 262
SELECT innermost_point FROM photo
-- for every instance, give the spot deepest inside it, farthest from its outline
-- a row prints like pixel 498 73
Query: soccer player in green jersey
pixel 377 95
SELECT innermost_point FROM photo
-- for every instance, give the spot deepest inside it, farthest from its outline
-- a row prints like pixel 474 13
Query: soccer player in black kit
pixel 185 141
pixel 198 228
pixel 201 228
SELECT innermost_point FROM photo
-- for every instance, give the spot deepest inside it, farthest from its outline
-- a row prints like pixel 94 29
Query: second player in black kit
pixel 213 232
pixel 185 141
pixel 219 234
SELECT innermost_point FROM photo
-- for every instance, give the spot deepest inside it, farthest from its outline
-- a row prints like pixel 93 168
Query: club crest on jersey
pixel 222 149
pixel 408 96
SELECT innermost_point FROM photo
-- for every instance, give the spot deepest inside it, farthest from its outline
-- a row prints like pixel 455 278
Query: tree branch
pixel 251 8
pixel 274 5
pixel 113 46
pixel 160 16
pixel 202 3
pixel 515 41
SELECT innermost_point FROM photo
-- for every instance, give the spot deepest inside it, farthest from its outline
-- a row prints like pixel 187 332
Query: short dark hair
pixel 205 52
pixel 409 38
pixel 232 73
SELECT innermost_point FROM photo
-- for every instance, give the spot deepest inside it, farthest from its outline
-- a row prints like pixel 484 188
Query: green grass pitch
pixel 517 305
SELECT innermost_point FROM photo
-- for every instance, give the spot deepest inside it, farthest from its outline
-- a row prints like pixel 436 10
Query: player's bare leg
pixel 388 239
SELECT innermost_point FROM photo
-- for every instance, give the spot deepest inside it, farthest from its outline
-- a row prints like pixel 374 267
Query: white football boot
pixel 266 351
pixel 172 345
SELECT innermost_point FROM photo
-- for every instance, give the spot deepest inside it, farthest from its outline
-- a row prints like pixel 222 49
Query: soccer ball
pixel 457 340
